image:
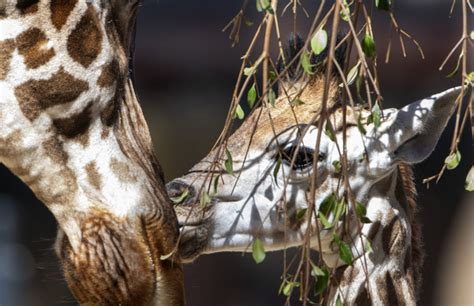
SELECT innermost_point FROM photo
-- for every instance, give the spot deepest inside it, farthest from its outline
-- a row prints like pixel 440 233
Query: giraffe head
pixel 72 129
pixel 273 161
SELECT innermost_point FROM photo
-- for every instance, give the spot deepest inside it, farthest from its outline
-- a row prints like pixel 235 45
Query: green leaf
pixel 452 161
pixel 375 115
pixel 360 126
pixel 296 102
pixel 180 199
pixel 329 131
pixel 327 204
pixel 216 183
pixel 300 214
pixel 258 252
pixel 319 41
pixel 344 250
pixel 249 70
pixel 248 22
pixel 361 210
pixel 339 211
pixel 330 205
pixel 353 73
pixel 337 166
pixel 239 112
pixel 469 185
pixel 456 68
pixel 338 301
pixel 204 199
pixel 229 164
pixel 345 11
pixel 277 168
pixel 262 5
pixel 272 76
pixel 368 46
pixel 321 282
pixel 316 271
pixel 368 246
pixel 306 63
pixel 271 97
pixel 324 220
pixel 470 76
pixel 383 4
pixel 252 96
pixel 288 288
pixel 365 220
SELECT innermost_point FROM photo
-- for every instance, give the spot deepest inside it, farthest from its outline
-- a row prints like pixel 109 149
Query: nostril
pixel 180 192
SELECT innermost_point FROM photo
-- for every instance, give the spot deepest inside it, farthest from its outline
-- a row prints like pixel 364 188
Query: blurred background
pixel 185 73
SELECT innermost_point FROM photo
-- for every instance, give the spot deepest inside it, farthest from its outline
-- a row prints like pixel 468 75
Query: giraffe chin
pixel 115 264
pixel 195 231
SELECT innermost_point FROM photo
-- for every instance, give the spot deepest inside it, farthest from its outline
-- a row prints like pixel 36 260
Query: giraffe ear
pixel 417 127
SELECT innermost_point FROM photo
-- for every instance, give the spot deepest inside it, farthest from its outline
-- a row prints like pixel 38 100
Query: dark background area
pixel 185 73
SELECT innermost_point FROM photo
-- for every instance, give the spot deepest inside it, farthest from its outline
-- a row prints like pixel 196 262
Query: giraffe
pixel 71 128
pixel 256 201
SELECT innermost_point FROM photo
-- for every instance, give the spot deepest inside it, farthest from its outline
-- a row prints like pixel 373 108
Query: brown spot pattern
pixel 390 289
pixel 7 144
pixel 67 181
pixel 343 275
pixel 110 112
pixel 391 296
pixel 363 298
pixel 85 42
pixel 27 6
pixel 76 125
pixel 122 171
pixel 60 10
pixel 54 150
pixel 93 175
pixel 394 238
pixel 374 229
pixel 32 46
pixel 108 75
pixel 6 50
pixel 35 96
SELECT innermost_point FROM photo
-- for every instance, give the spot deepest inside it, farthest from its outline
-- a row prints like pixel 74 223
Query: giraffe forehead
pixel 286 117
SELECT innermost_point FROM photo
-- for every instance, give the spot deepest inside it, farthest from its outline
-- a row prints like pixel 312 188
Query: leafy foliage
pixel 258 251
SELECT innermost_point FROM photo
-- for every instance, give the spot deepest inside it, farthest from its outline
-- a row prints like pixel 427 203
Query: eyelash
pixel 303 160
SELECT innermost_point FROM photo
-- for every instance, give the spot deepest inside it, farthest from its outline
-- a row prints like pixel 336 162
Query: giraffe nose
pixel 181 193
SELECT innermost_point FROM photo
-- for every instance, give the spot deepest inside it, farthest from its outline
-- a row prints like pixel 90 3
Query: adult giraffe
pixel 255 202
pixel 72 129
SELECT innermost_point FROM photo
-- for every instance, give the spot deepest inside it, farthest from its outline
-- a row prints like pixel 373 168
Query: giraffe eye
pixel 303 158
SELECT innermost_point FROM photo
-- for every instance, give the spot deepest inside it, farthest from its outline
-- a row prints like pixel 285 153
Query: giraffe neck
pixel 72 130
pixel 389 274
pixel 62 82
